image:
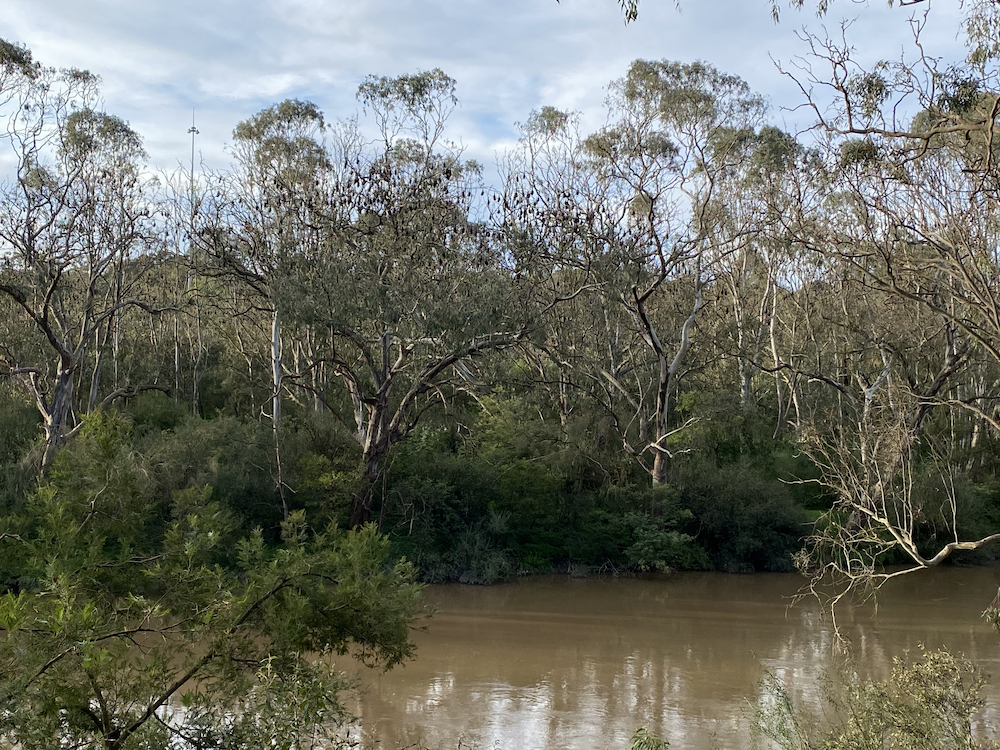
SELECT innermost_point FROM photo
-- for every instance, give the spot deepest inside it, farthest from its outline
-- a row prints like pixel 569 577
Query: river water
pixel 559 663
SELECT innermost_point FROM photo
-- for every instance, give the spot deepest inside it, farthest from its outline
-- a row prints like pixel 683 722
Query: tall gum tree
pixel 908 215
pixel 405 289
pixel 78 235
pixel 633 210
pixel 752 278
pixel 259 220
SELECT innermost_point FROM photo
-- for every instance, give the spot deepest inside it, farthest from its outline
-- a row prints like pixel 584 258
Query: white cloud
pixel 229 58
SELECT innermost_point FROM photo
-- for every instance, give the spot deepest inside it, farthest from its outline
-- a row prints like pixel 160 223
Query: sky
pixel 228 59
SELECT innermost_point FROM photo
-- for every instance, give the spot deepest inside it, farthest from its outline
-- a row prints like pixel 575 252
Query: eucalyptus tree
pixel 757 275
pixel 259 220
pixel 634 209
pixel 78 236
pixel 909 218
pixel 875 369
pixel 408 286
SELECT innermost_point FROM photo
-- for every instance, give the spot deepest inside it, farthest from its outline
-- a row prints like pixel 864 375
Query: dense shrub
pixel 743 522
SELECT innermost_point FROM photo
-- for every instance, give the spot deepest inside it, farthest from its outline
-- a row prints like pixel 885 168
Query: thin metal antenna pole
pixel 195 375
pixel 193 131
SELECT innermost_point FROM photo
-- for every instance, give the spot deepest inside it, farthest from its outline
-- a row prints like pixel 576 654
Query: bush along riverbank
pixel 489 493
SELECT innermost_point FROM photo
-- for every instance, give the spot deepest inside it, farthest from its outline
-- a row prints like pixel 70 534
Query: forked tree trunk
pixel 667 386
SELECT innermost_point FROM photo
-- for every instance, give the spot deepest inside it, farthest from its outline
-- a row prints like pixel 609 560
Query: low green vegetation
pixel 464 507
pixel 926 703
pixel 464 501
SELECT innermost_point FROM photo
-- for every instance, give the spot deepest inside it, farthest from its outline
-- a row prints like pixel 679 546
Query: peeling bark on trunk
pixel 276 408
pixel 55 415
pixel 361 508
pixel 667 386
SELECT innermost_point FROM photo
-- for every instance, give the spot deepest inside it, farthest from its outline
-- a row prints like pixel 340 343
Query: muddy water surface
pixel 556 663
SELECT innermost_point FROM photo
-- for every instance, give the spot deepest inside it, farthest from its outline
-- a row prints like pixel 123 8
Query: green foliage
pixel 89 133
pixel 547 121
pixel 326 486
pixel 233 456
pixel 17 57
pixel 946 503
pixel 155 411
pixel 19 430
pixel 291 709
pixel 132 631
pixel 643 739
pixel 19 427
pixel 415 93
pixel 744 522
pixel 982 22
pixel 280 120
pixel 775 152
pixel 660 546
pixel 478 554
pixel 651 518
pixel 924 705
pixel 512 498
pixel 961 94
pixel 283 138
pixel 442 512
pixel 869 91
pixel 859 152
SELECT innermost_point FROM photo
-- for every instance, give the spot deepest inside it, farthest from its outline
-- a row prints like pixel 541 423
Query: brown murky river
pixel 557 663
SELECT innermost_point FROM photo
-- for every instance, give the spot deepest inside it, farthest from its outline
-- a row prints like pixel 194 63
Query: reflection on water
pixel 562 663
